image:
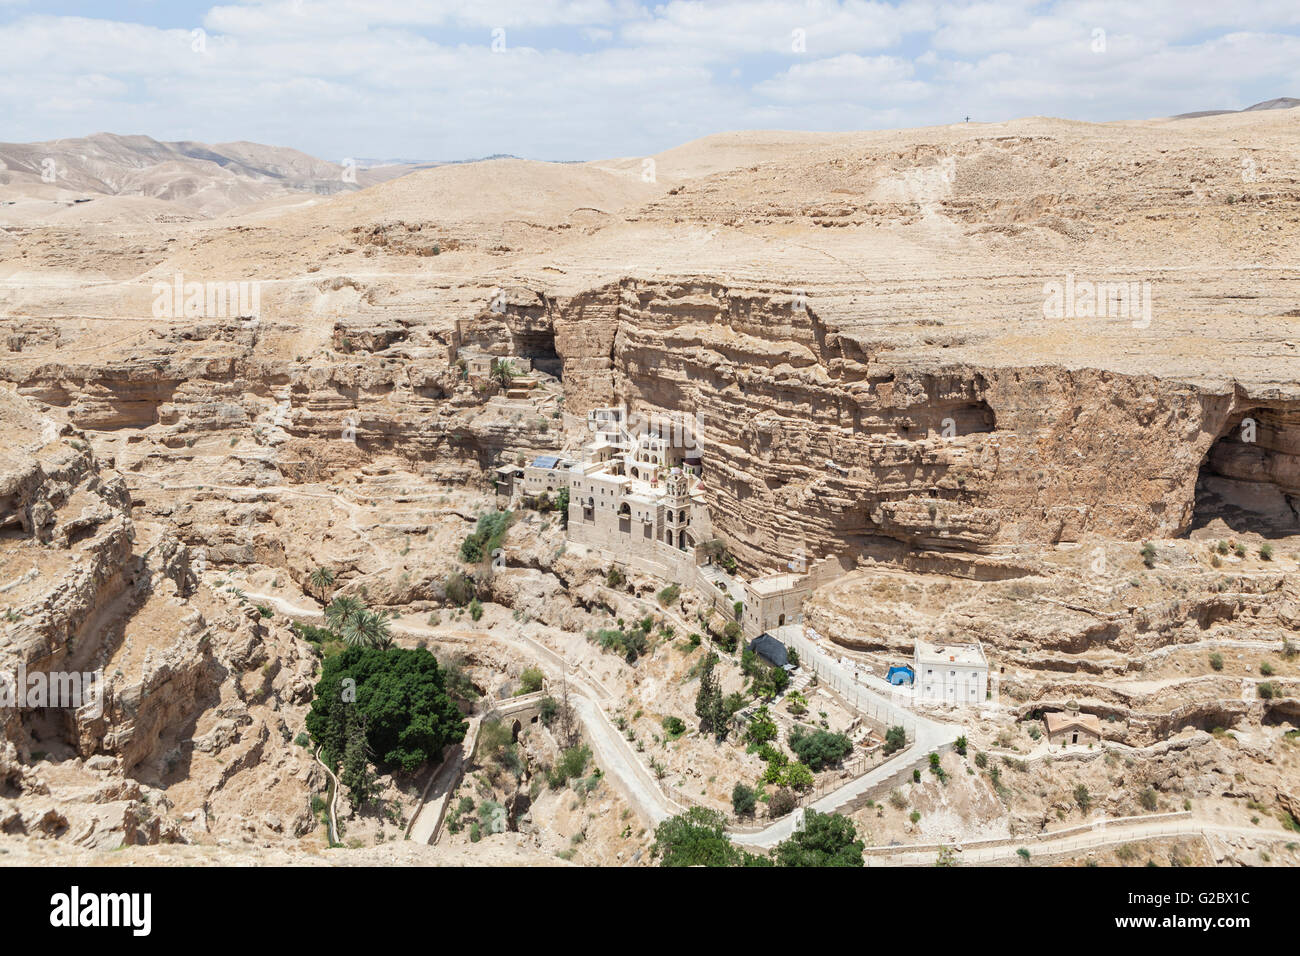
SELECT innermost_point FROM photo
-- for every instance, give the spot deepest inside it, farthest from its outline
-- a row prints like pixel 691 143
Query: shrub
pixel 459 588
pixel 915 816
pixel 1082 797
pixel 1148 553
pixel 981 760
pixel 669 595
pixel 895 739
pixel 743 800
pixel 486 537
pixel 781 803
pixel 530 681
pixel 1149 799
pixel 1266 668
pixel 1216 661
pixel 475 609
pixel 614 577
pixel 1266 552
pixel 571 764
pixel 674 727
pixel 820 748
pixel 1266 691
pixel 960 746
pixel 797 776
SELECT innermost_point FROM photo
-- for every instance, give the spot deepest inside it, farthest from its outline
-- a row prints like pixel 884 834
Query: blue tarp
pixel 900 675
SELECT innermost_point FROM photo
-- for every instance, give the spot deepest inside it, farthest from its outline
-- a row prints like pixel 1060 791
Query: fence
pixel 865 701
pixel 1086 832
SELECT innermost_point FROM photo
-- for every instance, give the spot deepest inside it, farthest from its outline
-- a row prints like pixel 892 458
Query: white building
pixel 951 673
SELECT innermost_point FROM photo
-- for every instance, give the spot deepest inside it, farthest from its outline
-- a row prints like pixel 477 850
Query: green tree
pixel 340 612
pixel 321 580
pixel 709 705
pixel 695 838
pixel 356 774
pixel 503 372
pixel 743 800
pixel 562 506
pixel 368 629
pixel 762 727
pixel 827 839
pixel 400 696
pixel 819 748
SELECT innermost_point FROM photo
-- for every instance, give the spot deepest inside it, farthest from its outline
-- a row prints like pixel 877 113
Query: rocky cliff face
pixel 86 599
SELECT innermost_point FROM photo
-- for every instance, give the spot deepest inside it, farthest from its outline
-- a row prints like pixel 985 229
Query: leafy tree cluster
pixel 819 748
pixel 781 772
pixel 486 536
pixel 395 699
pixel 630 643
pixel 698 837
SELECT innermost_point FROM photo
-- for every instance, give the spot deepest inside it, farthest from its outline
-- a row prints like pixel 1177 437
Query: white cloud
pixel 589 78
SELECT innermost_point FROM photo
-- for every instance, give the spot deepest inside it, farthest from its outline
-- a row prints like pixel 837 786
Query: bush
pixel 797 776
pixel 731 637
pixel 530 681
pixel 820 748
pixel 743 800
pixel 1082 797
pixel 571 764
pixel 614 577
pixel 1267 691
pixel 674 727
pixel 1149 799
pixel 669 595
pixel 1266 552
pixel 486 537
pixel 475 609
pixel 1216 661
pixel 458 588
pixel 1266 668
pixel 1148 553
pixel 895 739
pixel 781 803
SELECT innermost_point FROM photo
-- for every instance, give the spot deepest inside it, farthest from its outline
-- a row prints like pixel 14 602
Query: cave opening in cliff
pixel 538 345
pixel 1249 480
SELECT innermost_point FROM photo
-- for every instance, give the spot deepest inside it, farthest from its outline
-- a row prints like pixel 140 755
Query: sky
pixel 589 79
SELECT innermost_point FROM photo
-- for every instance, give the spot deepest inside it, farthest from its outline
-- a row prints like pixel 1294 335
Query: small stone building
pixel 1071 727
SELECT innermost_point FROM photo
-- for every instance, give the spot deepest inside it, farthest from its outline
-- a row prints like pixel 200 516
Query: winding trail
pixel 333 806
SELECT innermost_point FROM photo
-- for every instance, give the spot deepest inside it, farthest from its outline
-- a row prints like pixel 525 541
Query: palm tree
pixel 340 612
pixel 368 629
pixel 503 370
pixel 321 579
